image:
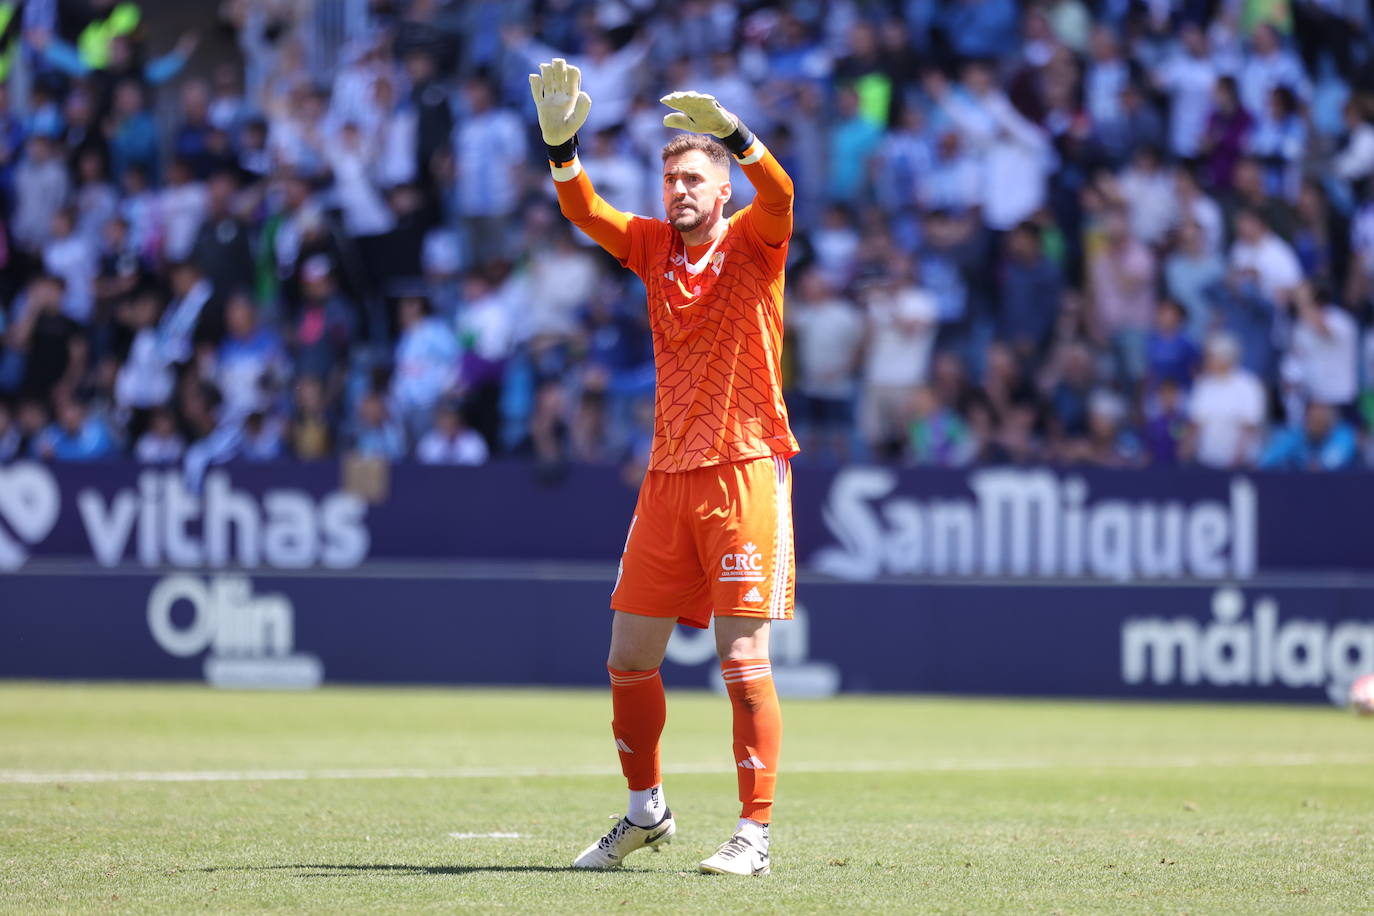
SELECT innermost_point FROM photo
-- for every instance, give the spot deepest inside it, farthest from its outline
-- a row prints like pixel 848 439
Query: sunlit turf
pixel 346 800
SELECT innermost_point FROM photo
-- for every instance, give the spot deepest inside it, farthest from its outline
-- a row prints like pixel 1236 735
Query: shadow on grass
pixel 340 871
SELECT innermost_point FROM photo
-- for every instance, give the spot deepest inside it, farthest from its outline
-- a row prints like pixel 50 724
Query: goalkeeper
pixel 711 535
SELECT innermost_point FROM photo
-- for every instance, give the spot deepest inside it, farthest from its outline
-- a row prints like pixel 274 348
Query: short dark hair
pixel 683 143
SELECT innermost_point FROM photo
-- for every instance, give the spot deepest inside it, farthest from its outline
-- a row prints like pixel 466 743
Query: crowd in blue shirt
pixel 1070 231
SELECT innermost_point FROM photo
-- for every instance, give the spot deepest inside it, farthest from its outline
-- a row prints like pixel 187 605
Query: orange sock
pixel 639 711
pixel 758 733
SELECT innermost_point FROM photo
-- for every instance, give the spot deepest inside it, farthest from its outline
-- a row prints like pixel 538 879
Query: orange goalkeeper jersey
pixel 717 331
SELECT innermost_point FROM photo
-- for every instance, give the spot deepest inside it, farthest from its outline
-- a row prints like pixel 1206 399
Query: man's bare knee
pixel 638 643
pixel 741 637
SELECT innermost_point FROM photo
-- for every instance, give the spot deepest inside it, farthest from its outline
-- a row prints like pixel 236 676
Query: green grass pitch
pixel 117 798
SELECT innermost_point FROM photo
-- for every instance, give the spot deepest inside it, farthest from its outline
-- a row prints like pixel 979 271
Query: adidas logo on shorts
pixel 753 595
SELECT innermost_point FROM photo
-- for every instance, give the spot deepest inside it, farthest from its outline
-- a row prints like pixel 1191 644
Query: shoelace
pixel 609 839
pixel 733 847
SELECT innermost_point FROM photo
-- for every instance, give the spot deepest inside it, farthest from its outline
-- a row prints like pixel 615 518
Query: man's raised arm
pixel 562 107
pixel 771 211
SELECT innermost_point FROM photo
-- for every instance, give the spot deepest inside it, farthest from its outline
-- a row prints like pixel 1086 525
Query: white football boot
pixel 610 851
pixel 745 853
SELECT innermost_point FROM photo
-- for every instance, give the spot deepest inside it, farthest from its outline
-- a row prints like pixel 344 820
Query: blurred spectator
pixel 1015 153
pixel 1241 308
pixel 1148 191
pixel 936 436
pixel 262 438
pixel 1107 73
pixel 1280 142
pixel 222 249
pixel 426 364
pixel 1073 380
pixel 853 141
pixel 191 295
pixel 450 441
pixel 41 186
pixel 620 176
pixel 955 180
pixel 1321 238
pixel 1138 125
pixel 1322 363
pixel 1030 292
pixel 145 380
pixel 489 146
pixel 1166 424
pixel 375 434
pixel 901 336
pixel 94 201
pixel 487 335
pixel 904 162
pixel 161 444
pixel 828 336
pixel 1189 273
pixel 1189 75
pixel 1121 276
pixel 1228 130
pixel 309 435
pixel 1110 443
pixel 72 256
pixel 48 344
pixel 326 322
pixel 1170 352
pixel 1267 67
pixel 76 436
pixel 251 366
pixel 133 137
pixel 562 278
pixel 1324 442
pixel 1226 409
pixel 836 245
pixel 1272 259
pixel 1355 160
pixel 1195 206
pixel 1249 192
pixel 182 205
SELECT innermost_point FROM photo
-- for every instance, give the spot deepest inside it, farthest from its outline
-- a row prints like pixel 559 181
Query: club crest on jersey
pixel 718 262
pixel 744 566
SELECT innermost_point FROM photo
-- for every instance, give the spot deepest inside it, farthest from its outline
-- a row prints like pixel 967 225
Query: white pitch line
pixel 952 765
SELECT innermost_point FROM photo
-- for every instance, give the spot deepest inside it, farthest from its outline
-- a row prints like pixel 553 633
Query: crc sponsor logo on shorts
pixel 249 639
pixel 743 566
pixel 1243 646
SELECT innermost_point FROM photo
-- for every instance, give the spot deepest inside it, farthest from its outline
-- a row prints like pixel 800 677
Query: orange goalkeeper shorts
pixel 713 539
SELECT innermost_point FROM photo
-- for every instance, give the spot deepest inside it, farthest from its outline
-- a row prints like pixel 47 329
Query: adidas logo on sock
pixel 752 763
pixel 753 595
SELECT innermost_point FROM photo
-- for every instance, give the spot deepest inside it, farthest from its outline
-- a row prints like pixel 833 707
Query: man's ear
pixel 725 191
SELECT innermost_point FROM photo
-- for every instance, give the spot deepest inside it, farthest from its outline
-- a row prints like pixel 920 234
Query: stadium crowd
pixel 1117 233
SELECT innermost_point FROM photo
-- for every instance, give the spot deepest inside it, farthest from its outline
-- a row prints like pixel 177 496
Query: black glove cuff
pixel 740 140
pixel 563 152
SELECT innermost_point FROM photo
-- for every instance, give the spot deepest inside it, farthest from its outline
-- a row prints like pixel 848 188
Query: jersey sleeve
pixel 769 217
pixel 586 210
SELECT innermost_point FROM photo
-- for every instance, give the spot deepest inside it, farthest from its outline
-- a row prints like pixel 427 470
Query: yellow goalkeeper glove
pixel 702 114
pixel 561 104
